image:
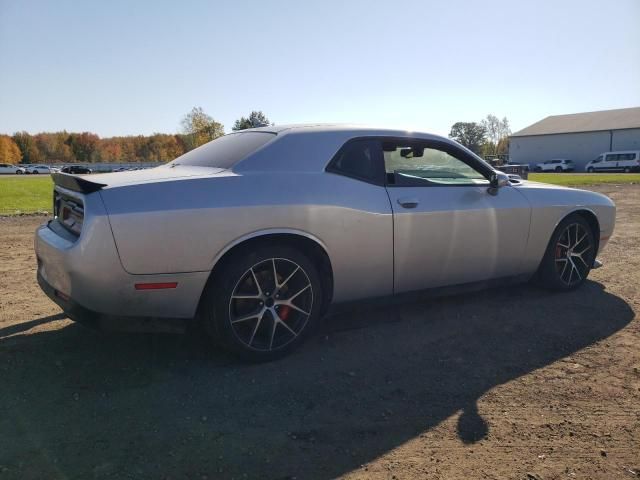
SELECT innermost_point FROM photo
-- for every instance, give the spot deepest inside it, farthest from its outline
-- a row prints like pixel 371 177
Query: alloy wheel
pixel 271 304
pixel 573 254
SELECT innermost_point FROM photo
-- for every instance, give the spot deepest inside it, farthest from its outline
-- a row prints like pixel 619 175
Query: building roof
pixel 584 122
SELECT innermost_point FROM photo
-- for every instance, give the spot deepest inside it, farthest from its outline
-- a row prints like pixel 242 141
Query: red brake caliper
pixel 284 311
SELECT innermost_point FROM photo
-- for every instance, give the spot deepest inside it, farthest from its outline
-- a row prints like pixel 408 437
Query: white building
pixel 580 137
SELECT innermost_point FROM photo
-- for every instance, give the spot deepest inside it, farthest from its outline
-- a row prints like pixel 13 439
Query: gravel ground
pixel 511 383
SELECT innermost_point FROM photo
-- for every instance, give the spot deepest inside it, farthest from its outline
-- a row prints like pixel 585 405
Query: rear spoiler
pixel 75 183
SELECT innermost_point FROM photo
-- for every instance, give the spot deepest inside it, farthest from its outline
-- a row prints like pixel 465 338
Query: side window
pixel 611 158
pixel 418 164
pixel 357 159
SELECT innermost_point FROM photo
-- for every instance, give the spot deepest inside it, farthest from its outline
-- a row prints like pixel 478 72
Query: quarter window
pixel 357 159
pixel 419 164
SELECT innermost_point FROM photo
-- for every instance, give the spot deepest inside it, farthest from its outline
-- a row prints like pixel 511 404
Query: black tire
pixel 35 172
pixel 590 170
pixel 552 272
pixel 537 169
pixel 262 338
pixel 19 172
pixel 559 169
pixel 627 170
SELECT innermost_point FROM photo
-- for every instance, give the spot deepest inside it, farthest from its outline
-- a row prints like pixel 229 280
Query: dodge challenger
pixel 258 232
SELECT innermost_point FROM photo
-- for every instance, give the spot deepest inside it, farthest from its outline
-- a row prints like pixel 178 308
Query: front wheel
pixel 263 302
pixel 19 172
pixel 558 169
pixel 569 256
pixel 590 170
pixel 627 170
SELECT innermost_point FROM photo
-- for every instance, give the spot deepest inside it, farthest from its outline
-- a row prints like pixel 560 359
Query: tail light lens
pixel 69 212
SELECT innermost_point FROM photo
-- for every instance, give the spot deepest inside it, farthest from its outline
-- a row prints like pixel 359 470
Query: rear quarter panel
pixel 187 224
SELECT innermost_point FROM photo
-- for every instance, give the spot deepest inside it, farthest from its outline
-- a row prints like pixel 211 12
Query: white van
pixel 627 161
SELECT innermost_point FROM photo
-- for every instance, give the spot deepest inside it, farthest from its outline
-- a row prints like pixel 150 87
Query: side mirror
pixel 497 181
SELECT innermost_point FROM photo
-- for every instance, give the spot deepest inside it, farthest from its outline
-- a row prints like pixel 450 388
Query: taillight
pixel 69 212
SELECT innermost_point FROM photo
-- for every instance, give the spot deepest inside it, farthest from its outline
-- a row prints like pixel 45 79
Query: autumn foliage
pixel 9 151
pixel 86 147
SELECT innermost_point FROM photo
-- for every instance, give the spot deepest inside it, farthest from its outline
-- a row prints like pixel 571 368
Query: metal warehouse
pixel 580 137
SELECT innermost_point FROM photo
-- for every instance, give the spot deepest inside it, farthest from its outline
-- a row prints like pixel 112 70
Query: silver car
pixel 257 233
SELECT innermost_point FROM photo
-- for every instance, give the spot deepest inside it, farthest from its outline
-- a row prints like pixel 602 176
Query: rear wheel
pixel 19 172
pixel 263 303
pixel 569 256
pixel 558 169
pixel 627 170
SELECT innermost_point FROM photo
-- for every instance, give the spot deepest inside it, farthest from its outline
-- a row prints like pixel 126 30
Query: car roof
pixel 338 128
pixel 309 147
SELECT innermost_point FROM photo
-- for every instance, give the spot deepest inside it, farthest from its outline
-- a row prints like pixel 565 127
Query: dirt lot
pixel 514 383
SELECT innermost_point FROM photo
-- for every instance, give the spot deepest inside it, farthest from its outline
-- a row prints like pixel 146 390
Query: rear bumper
pixel 72 309
pixel 90 318
pixel 86 279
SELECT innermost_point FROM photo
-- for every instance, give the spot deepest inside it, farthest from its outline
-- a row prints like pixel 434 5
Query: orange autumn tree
pixel 9 151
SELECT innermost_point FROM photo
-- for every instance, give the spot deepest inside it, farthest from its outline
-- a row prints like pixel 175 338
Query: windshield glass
pixel 226 151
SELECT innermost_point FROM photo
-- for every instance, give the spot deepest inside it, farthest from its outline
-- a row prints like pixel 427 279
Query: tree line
pixel 197 129
pixel 487 137
pixel 490 136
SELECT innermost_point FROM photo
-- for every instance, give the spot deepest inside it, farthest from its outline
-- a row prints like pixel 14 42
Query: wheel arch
pixel 307 243
pixel 592 220
pixel 590 217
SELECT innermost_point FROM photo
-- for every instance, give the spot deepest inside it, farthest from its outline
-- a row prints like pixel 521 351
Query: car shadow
pixel 24 326
pixel 80 403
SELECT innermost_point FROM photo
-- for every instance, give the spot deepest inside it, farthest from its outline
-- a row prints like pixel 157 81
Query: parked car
pixel 37 169
pixel 555 165
pixel 258 232
pixel 76 169
pixel 627 161
pixel 8 168
pixel 521 170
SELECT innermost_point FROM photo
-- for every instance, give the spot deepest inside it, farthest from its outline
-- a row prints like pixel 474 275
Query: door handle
pixel 407 202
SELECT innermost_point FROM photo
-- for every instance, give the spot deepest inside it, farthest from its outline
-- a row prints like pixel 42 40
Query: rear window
pixel 226 151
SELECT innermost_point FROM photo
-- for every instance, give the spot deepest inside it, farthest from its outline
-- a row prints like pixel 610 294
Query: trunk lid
pixel 94 182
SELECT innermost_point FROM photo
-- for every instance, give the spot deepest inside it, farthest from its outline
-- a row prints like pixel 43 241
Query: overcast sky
pixel 135 67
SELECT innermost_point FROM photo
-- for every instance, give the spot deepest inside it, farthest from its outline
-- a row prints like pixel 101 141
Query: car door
pixel 610 163
pixel 448 228
pixel 597 164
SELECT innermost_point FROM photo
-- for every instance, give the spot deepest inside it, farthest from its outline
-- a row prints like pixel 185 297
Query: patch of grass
pixel 30 194
pixel 580 179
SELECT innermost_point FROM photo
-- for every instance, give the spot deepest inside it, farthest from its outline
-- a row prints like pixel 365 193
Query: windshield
pixel 226 151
